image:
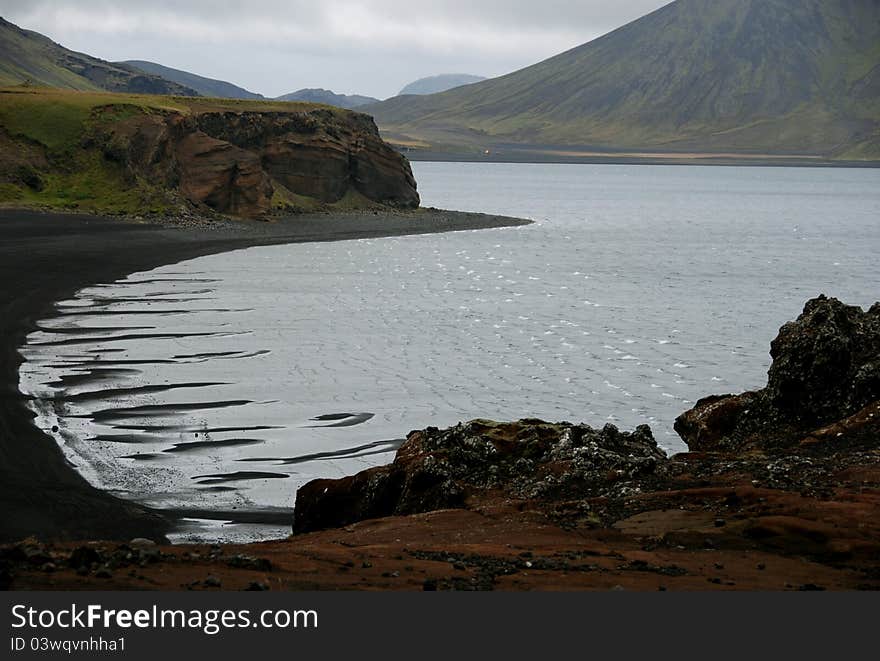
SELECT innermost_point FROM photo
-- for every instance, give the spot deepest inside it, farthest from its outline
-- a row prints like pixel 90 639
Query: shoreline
pixel 764 499
pixel 47 256
pixel 563 157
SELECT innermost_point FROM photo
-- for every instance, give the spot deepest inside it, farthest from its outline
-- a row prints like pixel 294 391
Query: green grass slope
pixel 205 86
pixel 750 76
pixel 29 57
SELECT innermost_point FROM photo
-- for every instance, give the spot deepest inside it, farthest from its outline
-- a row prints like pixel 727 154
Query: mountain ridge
pixel 28 57
pixel 745 75
pixel 33 59
pixel 210 87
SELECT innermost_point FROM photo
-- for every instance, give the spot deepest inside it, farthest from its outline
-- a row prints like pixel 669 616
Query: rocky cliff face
pixel 826 367
pixel 239 162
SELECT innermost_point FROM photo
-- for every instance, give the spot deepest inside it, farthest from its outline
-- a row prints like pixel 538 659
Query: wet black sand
pixel 45 257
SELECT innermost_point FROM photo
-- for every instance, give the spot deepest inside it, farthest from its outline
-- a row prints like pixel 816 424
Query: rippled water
pixel 225 382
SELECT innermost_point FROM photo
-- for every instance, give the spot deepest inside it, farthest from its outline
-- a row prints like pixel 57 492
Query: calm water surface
pixel 225 382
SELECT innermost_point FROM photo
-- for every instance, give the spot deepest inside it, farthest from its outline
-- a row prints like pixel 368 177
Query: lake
pixel 225 382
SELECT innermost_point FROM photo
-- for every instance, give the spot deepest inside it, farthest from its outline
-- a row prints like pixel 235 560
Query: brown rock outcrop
pixel 713 419
pixel 317 154
pixel 222 176
pixel 234 162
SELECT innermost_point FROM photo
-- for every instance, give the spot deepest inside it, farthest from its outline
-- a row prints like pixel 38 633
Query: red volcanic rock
pixel 222 176
pixel 713 419
pixel 310 166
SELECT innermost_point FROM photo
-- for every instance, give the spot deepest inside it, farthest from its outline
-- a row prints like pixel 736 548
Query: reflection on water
pixel 223 383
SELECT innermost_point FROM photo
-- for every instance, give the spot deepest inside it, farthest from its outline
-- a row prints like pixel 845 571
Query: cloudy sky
pixel 371 47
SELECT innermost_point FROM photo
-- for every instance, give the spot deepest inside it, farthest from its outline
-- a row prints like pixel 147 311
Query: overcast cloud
pixel 371 47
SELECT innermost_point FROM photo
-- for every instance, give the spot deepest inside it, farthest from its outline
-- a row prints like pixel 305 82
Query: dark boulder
pixel 826 367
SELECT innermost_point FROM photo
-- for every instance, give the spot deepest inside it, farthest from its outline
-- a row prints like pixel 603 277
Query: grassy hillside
pixel 52 155
pixel 29 57
pixel 204 86
pixel 751 76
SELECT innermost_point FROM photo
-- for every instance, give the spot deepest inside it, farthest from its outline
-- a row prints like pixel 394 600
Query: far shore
pixel 574 156
pixel 48 256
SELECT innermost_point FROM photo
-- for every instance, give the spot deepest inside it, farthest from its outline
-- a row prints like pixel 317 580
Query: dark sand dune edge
pixel 46 257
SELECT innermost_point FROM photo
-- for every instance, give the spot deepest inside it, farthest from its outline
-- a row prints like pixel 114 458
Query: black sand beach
pixel 45 257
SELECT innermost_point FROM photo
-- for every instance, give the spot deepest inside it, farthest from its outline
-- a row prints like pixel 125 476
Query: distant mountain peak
pixel 440 83
pixel 320 95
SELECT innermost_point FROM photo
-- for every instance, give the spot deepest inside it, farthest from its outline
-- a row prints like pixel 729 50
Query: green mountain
pixel 441 83
pixel 218 89
pixel 29 57
pixel 744 76
pixel 318 95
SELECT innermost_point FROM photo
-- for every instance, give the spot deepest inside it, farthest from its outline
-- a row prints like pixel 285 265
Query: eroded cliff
pixel 113 152
pixel 241 163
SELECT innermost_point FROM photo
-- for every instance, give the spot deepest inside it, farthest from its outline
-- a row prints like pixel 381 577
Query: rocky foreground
pixel 781 490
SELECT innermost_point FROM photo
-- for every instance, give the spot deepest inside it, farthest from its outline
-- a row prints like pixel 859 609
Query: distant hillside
pixel 328 97
pixel 746 76
pixel 441 83
pixel 205 86
pixel 29 57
